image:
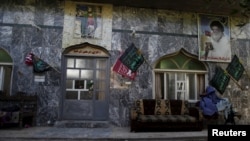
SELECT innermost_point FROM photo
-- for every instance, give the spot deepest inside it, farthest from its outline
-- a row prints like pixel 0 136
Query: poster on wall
pixel 214 38
pixel 88 21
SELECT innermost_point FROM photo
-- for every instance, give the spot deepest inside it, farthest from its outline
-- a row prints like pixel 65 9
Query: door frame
pixel 91 51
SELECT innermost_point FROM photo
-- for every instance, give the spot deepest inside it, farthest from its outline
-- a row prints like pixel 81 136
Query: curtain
pixel 158 87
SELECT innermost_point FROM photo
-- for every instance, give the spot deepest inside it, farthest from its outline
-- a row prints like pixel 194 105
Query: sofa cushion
pixel 139 107
pixel 149 106
pixel 184 110
pixel 162 107
pixel 166 118
pixel 179 107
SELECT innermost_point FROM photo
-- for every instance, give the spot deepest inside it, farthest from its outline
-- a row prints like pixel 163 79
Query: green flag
pixel 235 68
pixel 220 80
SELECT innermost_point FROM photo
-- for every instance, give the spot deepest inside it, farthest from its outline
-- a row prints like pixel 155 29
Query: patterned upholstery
pixel 162 107
pixel 184 110
pixel 139 107
pixel 160 114
pixel 166 118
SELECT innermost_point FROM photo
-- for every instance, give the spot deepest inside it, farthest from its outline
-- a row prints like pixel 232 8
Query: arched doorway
pixel 85 82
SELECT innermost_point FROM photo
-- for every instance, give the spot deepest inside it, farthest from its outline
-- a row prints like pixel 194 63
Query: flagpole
pixel 244 69
pixel 247 74
pixel 48 64
pixel 55 69
pixel 147 62
pixel 234 81
pixel 140 52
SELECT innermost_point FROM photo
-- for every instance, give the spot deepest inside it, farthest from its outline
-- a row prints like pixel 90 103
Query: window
pixel 179 76
pixel 5 72
pixel 81 74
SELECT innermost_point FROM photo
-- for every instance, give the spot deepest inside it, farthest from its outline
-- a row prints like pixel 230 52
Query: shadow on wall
pixel 239 99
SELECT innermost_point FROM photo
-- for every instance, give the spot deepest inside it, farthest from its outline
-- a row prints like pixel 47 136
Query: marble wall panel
pixel 34 27
pixel 46 30
pixel 161 32
pixel 6 36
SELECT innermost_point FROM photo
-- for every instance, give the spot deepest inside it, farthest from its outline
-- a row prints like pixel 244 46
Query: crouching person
pixel 211 104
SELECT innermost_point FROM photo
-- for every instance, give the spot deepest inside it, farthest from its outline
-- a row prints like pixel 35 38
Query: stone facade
pixel 44 29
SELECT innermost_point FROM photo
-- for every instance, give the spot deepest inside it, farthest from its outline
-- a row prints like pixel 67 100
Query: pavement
pixel 96 134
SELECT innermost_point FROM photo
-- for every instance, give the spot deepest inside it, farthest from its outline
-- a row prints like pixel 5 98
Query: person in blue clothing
pixel 211 103
pixel 208 102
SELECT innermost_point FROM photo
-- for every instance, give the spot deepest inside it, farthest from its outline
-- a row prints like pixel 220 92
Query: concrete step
pixel 73 139
pixel 96 134
pixel 81 124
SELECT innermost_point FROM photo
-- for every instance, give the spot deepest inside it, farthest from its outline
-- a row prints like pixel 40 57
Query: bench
pixel 18 110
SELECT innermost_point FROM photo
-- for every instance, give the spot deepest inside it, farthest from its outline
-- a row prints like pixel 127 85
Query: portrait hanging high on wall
pixel 88 21
pixel 214 38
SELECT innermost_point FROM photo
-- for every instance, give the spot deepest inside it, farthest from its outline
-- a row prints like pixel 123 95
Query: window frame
pixel 95 78
pixel 6 77
pixel 173 67
pixel 186 91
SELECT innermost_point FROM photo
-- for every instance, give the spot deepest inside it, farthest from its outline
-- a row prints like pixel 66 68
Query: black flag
pixel 39 66
pixel 132 58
